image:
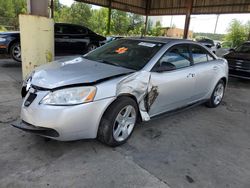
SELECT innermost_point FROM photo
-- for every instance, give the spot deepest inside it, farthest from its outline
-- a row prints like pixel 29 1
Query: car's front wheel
pixel 91 47
pixel 118 122
pixel 217 95
pixel 15 51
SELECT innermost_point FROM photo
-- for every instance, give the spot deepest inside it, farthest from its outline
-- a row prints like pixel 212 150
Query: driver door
pixel 175 85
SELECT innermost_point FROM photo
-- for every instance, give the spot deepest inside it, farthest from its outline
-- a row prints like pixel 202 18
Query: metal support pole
pixel 188 17
pixel 146 26
pixel 148 4
pixel 216 23
pixel 109 18
pixel 52 8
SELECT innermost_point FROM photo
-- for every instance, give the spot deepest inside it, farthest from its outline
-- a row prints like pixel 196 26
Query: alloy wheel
pixel 124 123
pixel 16 52
pixel 218 94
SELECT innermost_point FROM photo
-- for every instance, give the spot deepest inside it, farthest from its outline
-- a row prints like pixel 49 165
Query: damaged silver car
pixel 104 93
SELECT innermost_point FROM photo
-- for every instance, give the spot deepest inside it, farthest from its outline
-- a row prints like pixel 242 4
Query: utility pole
pixel 216 23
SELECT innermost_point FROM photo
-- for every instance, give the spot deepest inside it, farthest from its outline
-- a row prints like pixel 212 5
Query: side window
pixel 200 54
pixel 178 56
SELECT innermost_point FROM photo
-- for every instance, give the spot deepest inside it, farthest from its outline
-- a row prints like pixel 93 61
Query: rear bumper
pixel 245 74
pixel 3 49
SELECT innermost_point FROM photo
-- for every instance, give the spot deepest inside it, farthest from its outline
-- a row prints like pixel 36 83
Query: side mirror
pixel 218 45
pixel 165 66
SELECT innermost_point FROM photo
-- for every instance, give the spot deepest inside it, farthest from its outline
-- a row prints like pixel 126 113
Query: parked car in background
pixel 110 38
pixel 107 91
pixel 209 43
pixel 69 39
pixel 224 48
pixel 239 61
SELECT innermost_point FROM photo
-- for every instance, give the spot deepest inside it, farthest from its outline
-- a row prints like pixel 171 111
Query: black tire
pixel 14 53
pixel 212 102
pixel 91 47
pixel 108 122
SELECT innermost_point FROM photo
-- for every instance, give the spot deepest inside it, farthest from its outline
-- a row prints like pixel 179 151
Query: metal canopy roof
pixel 175 7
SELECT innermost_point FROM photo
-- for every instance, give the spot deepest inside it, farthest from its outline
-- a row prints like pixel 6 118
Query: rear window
pixel 128 53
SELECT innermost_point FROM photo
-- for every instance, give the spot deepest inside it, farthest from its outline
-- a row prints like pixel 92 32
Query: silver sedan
pixel 104 93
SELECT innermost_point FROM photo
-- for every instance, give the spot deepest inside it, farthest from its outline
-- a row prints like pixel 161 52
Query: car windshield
pixel 244 48
pixel 128 53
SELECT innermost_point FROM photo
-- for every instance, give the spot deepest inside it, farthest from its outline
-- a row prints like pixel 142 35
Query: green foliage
pixel 122 23
pixel 9 11
pixel 247 27
pixel 236 33
pixel 2 28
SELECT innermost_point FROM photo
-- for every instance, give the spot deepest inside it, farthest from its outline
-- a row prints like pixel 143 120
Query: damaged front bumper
pixel 62 123
pixel 47 132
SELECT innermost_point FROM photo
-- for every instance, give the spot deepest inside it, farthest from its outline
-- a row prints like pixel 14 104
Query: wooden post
pixel 188 17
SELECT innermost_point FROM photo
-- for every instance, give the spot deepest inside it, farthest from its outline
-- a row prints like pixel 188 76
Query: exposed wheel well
pixel 224 79
pixel 132 97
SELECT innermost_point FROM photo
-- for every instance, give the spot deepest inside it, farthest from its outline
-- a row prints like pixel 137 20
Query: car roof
pixel 159 39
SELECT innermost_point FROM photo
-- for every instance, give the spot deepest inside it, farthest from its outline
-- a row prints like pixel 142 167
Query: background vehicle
pixel 212 45
pixel 110 39
pixel 224 48
pixel 123 82
pixel 239 61
pixel 69 39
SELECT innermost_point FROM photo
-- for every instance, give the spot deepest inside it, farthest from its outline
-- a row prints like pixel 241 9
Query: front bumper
pixel 36 130
pixel 70 122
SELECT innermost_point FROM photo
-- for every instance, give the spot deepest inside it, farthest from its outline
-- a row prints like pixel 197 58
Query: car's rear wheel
pixel 118 122
pixel 217 95
pixel 15 51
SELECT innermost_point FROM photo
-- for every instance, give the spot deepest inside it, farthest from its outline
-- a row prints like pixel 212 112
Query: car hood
pixel 238 56
pixel 73 71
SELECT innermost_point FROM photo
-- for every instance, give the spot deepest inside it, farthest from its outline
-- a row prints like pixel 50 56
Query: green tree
pixel 236 32
pixel 247 26
pixel 99 20
pixel 119 22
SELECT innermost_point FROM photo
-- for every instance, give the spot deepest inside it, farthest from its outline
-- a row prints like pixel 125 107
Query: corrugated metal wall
pixel 176 7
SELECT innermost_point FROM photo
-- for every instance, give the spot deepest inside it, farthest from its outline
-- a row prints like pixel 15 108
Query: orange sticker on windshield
pixel 121 50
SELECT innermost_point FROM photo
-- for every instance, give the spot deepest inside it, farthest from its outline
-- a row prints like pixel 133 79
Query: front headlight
pixel 70 96
pixel 2 39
